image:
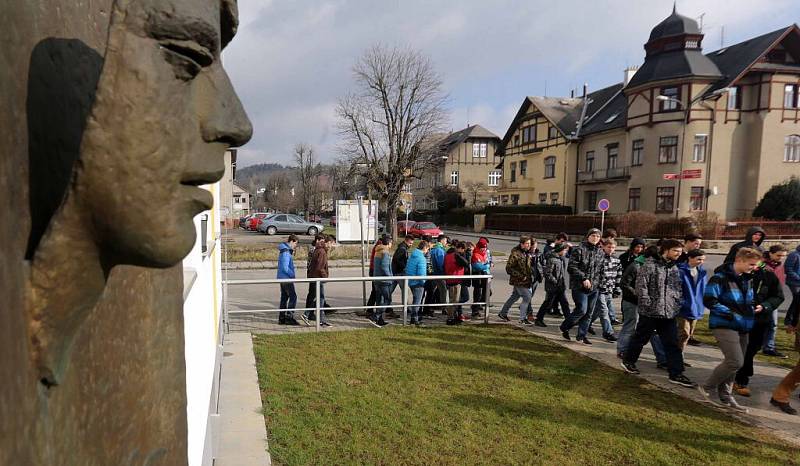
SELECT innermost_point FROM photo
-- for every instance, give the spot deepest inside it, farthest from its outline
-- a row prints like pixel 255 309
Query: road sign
pixel 691 174
pixel 603 205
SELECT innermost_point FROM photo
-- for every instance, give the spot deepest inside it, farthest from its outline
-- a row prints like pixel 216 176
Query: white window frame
pixel 699 149
pixel 494 178
pixel 484 147
pixel 733 98
pixel 790 96
pixel 454 178
pixel 791 148
pixel 476 150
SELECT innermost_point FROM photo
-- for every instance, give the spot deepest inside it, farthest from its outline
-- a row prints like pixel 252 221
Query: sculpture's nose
pixel 225 121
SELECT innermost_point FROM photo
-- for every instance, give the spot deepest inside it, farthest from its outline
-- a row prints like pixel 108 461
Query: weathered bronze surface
pixel 113 113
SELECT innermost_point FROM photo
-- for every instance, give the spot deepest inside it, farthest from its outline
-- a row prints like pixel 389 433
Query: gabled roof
pixel 733 60
pixel 470 132
pixel 563 113
pixel 612 115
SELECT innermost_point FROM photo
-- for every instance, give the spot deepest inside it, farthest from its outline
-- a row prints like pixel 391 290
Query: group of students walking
pixel 665 290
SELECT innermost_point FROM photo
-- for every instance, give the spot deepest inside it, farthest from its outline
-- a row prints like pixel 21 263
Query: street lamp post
pixel 686 109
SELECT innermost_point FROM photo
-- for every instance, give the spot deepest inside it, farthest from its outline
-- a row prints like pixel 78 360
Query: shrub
pixel 637 223
pixel 539 209
pixel 781 202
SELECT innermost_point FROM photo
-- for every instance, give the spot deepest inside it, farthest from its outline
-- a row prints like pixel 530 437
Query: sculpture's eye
pixel 187 57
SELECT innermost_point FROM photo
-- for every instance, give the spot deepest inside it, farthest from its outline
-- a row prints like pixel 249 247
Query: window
pixel 634 199
pixel 280 218
pixel 696 198
pixel 515 199
pixel 637 152
pixel 529 134
pixel 494 177
pixel 589 162
pixel 790 96
pixel 516 140
pixel 791 148
pixel 513 172
pixel 542 198
pixel 613 155
pixel 665 199
pixel 479 149
pixel 554 198
pixel 672 93
pixel 550 167
pixel 504 199
pixel 523 168
pixel 699 149
pixel 492 201
pixel 668 149
pixel 591 201
pixel 692 44
pixel 734 99
pixel 552 132
pixel 454 178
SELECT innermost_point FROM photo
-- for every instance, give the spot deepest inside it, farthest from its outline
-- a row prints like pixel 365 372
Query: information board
pixel 347 220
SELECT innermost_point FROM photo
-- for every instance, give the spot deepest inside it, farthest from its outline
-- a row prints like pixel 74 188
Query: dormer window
pixel 674 96
pixel 692 44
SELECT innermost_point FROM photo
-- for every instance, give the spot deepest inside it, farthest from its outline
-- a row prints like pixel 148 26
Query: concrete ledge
pixel 242 431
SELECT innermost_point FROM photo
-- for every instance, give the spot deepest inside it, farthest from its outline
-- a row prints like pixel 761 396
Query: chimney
pixel 585 89
pixel 572 93
pixel 629 72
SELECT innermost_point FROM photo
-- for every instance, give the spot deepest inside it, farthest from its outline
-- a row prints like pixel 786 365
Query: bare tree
pixel 308 170
pixel 399 103
pixel 474 190
pixel 278 193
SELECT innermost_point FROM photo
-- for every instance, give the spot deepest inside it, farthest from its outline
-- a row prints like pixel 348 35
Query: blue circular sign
pixel 603 205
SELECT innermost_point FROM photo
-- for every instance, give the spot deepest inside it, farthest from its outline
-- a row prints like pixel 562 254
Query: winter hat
pixel 482 243
pixel 593 231
pixel 637 242
pixel 560 247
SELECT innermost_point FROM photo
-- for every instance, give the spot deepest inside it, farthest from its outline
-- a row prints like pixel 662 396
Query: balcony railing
pixel 606 174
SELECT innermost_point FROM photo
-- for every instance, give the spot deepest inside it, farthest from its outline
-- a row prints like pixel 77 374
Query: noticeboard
pixel 347 220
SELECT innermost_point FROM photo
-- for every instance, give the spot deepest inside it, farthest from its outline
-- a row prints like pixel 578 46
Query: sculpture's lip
pixel 199 198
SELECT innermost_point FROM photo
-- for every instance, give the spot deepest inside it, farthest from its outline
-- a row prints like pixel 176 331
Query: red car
pixel 421 229
pixel 404 227
pixel 255 220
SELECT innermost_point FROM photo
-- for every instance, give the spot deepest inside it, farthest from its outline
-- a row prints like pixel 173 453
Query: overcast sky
pixel 292 59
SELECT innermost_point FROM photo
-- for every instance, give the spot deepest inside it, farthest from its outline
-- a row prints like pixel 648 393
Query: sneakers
pixel 630 368
pixel 382 323
pixel 741 390
pixel 504 317
pixel 732 404
pixel 539 323
pixel 305 319
pixel 525 322
pixel 686 364
pixel 453 322
pixel 565 334
pixel 463 318
pixel 785 407
pixel 586 341
pixel 693 342
pixel 325 324
pixel 683 381
pixel 591 331
pixel 373 322
pixel 775 354
pixel 616 322
pixel 609 338
pixel 704 393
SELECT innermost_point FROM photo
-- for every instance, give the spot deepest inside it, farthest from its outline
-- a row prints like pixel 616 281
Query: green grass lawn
pixel 784 342
pixel 480 395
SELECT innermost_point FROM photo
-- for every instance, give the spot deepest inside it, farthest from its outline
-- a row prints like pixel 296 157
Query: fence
pixel 675 228
pixel 319 282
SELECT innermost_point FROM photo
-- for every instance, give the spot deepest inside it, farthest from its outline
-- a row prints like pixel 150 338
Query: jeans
pixel 769 333
pixel 311 299
pixel 551 301
pixel 603 309
pixel 288 301
pixel 414 309
pixel 733 346
pixel 754 343
pixel 383 297
pixel 668 332
pixel 430 296
pixel 580 316
pixel 519 292
pixel 630 317
pixel 478 296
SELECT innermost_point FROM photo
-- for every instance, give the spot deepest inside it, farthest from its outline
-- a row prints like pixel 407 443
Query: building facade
pixel 467 163
pixel 685 132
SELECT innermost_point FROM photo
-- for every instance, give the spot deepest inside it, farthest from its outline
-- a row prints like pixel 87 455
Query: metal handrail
pixel 319 280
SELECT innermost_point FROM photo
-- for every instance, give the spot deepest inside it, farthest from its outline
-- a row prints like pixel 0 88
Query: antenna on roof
pixel 467 116
pixel 675 7
pixel 701 21
pixel 545 88
pixel 722 36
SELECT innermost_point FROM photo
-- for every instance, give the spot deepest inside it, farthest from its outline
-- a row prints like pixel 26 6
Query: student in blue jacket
pixel 693 279
pixel 286 270
pixel 729 296
pixel 417 266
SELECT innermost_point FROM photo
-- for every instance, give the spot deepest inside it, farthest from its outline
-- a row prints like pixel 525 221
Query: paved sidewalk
pixel 243 433
pixel 703 359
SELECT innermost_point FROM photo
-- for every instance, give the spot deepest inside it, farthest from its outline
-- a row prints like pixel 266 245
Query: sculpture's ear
pixel 62 82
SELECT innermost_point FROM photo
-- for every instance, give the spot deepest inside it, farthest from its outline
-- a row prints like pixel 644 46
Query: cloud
pixel 292 60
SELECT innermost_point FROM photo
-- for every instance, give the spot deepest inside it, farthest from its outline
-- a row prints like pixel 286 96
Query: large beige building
pixel 684 132
pixel 468 164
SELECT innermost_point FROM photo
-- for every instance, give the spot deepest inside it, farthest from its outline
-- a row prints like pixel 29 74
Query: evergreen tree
pixel 781 202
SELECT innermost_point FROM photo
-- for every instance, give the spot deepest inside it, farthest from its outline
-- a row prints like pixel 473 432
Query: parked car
pixel 243 222
pixel 287 223
pixel 255 220
pixel 421 229
pixel 333 220
pixel 404 227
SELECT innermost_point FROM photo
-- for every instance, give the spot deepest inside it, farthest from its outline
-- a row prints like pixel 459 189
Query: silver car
pixel 288 223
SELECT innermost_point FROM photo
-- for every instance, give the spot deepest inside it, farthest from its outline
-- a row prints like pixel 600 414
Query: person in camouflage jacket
pixel 520 276
pixel 585 271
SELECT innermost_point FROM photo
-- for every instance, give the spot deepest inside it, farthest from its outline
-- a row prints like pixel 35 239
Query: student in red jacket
pixel 454 264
